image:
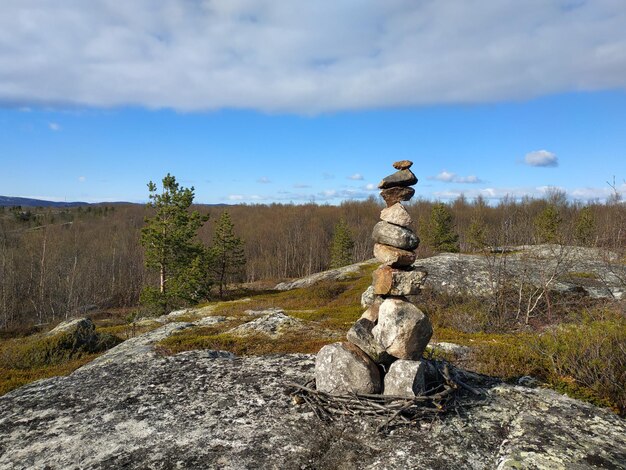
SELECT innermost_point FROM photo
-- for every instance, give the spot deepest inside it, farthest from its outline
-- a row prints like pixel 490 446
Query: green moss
pixel 259 344
pixel 129 330
pixel 36 357
pixel 11 379
pixel 40 351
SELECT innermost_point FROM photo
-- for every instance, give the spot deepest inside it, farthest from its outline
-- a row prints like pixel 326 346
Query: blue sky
pixel 249 102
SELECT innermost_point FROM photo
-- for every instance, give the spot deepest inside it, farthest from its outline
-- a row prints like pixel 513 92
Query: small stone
pixel 449 348
pixel 528 381
pixel 342 368
pixel 361 335
pixel 397 194
pixel 403 165
pixel 405 378
pixel 394 235
pixel 368 297
pixel 396 215
pixel 402 329
pixel 371 313
pixel 397 282
pixel 392 256
pixel 272 324
pixel 399 178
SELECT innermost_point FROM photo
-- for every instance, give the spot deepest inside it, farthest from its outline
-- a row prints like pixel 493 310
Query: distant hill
pixel 8 201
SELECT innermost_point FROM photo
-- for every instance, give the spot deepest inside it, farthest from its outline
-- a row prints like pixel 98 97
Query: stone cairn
pixel 385 346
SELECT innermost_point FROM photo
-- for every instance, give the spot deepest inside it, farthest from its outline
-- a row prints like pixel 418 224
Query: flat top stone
pixel 399 178
pixel 402 164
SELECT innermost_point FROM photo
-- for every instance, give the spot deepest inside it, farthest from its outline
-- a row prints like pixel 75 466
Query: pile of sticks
pixel 444 395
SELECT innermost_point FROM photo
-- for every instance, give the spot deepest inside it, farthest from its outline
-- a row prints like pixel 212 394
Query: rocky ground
pixel 135 408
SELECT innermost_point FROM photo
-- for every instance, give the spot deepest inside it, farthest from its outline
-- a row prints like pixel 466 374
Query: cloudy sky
pixel 262 101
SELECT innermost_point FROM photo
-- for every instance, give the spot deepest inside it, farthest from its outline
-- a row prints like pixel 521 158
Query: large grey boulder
pixel 361 335
pixel 403 330
pixel 342 368
pixel 569 269
pixel 397 215
pixel 398 282
pixel 338 274
pixel 394 235
pixel 405 378
pixel 82 327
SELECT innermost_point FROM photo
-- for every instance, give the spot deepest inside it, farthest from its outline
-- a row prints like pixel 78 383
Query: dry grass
pixel 37 357
pixel 11 379
pixel 585 360
pixel 252 345
pixel 129 330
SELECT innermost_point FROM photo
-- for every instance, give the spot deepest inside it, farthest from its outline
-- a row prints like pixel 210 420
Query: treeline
pixel 58 263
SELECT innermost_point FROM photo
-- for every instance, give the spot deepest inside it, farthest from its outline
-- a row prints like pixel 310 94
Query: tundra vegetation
pixel 61 263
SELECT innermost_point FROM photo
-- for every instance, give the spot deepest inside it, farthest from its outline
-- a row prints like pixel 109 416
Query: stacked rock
pixel 386 344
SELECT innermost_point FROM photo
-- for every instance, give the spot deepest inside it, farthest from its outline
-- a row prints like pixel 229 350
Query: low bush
pixel 41 351
pixel 586 360
pixel 25 360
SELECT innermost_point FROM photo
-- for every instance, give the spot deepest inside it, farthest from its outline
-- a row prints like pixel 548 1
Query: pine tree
pixel 168 239
pixel 585 229
pixel 441 235
pixel 342 245
pixel 228 259
pixel 547 225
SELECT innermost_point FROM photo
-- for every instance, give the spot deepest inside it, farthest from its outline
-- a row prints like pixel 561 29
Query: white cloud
pixel 448 177
pixel 370 187
pixel 305 57
pixel 82 179
pixel 541 158
pixel 495 194
pixel 356 177
pixel 263 180
pixel 54 126
pixel 236 197
pixel 301 186
pixel 444 176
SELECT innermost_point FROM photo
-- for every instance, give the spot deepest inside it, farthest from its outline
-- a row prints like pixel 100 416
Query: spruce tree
pixel 547 225
pixel 477 234
pixel 585 229
pixel 228 259
pixel 441 234
pixel 168 239
pixel 342 245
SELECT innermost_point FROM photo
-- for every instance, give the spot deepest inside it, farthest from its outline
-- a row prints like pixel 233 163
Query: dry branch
pixel 444 396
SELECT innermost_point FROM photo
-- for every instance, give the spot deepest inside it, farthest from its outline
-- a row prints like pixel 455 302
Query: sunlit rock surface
pixel 133 408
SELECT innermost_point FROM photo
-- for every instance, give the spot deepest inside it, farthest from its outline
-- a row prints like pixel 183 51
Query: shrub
pixel 46 351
